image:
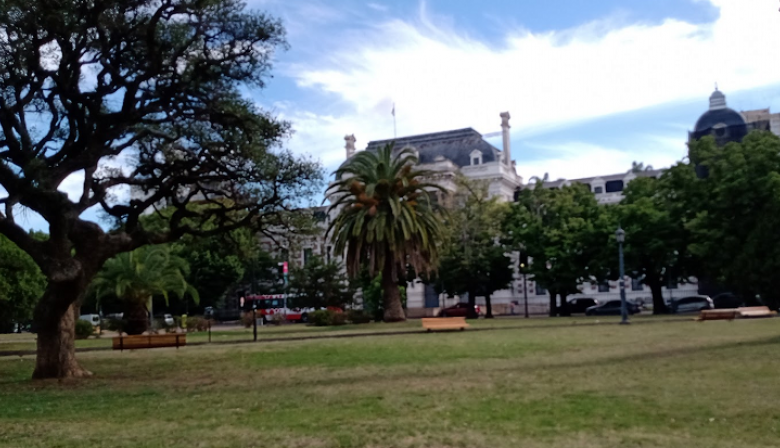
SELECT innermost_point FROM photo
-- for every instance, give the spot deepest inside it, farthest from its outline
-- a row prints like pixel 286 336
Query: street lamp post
pixel 525 289
pixel 621 237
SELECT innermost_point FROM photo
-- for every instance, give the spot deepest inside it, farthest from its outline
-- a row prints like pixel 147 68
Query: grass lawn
pixel 676 384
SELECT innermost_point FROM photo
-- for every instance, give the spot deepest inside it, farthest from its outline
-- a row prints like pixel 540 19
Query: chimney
pixel 350 146
pixel 505 133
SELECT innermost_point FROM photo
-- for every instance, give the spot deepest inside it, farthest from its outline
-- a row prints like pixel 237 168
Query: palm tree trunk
pixel 394 311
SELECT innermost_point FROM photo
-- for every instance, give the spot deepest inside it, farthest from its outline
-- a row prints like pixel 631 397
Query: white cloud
pixel 377 7
pixel 442 79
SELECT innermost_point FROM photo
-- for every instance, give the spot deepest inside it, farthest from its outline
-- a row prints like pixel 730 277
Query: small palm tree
pixel 386 219
pixel 135 277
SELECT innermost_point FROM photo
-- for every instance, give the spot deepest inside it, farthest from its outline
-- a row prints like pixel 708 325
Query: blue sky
pixel 591 86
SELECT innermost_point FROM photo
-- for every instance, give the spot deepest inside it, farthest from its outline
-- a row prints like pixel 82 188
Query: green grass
pixel 677 384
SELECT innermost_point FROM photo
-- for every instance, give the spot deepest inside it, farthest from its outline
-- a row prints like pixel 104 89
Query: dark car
pixel 692 304
pixel 726 300
pixel 459 309
pixel 581 305
pixel 611 308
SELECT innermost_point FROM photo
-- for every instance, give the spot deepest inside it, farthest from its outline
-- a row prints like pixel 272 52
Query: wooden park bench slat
pixel 149 341
pixel 723 314
pixel 444 323
pixel 755 311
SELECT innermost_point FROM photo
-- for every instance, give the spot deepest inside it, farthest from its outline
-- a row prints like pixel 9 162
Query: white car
pixel 168 319
pixel 94 319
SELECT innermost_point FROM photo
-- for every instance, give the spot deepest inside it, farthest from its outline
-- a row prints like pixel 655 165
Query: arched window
pixel 476 157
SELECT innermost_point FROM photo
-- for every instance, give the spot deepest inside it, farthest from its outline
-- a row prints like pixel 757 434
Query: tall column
pixel 350 146
pixel 505 133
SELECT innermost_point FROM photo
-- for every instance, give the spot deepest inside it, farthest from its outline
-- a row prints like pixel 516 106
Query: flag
pixel 393 112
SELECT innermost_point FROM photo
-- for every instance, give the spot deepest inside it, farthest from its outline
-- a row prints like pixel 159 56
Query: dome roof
pixel 719 115
pixel 725 116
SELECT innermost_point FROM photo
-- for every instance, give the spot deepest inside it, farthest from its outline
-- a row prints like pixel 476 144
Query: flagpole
pixel 395 130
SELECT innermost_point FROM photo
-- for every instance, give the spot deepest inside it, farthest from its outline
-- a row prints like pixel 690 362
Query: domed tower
pixel 726 125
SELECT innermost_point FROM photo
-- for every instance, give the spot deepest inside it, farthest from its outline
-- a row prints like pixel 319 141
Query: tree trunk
pixel 489 307
pixel 394 310
pixel 471 313
pixel 553 304
pixel 563 310
pixel 55 323
pixel 659 305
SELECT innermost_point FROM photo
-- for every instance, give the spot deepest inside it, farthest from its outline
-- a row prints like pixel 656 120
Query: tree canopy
pixel 21 285
pixel 143 102
pixel 737 213
pixel 473 262
pixel 565 234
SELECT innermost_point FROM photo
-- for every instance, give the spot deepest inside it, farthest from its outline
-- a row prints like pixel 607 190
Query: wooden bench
pixel 150 341
pixel 755 311
pixel 444 323
pixel 723 314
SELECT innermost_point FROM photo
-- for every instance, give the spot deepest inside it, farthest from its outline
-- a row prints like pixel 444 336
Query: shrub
pixel 84 329
pixel 319 318
pixel 358 317
pixel 337 318
pixel 277 319
pixel 324 318
pixel 246 319
pixel 113 324
pixel 197 324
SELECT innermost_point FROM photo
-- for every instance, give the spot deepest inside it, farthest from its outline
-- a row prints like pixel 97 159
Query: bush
pixel 246 319
pixel 358 317
pixel 84 329
pixel 324 318
pixel 319 318
pixel 197 324
pixel 112 324
pixel 337 318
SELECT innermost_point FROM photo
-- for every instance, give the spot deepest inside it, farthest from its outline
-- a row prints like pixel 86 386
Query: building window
pixel 636 285
pixel 604 287
pixel 614 186
pixel 476 157
pixel 307 253
pixel 598 190
pixel 540 291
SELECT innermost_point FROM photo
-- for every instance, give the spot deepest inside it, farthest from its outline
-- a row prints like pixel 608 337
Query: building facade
pixel 466 152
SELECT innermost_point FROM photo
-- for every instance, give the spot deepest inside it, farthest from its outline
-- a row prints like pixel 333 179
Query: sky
pixel 591 86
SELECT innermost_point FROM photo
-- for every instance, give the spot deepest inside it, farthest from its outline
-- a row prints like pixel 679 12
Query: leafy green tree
pixel 136 277
pixel 386 219
pixel 156 87
pixel 737 213
pixel 21 285
pixel 565 234
pixel 656 237
pixel 472 261
pixel 321 284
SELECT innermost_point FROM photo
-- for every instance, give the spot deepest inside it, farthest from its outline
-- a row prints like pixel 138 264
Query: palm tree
pixel 135 277
pixel 386 219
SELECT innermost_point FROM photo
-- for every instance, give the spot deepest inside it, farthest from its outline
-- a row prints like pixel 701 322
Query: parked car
pixel 168 319
pixel 459 309
pixel 612 308
pixel 208 312
pixel 581 305
pixel 726 300
pixel 692 304
pixel 94 319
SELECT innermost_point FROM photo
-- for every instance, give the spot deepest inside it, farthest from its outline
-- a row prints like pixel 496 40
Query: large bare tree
pixel 143 100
